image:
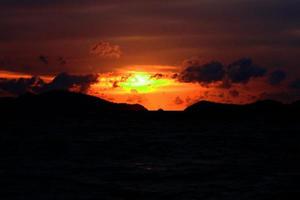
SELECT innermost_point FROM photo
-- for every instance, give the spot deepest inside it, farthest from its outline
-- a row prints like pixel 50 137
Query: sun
pixel 138 81
pixel 142 82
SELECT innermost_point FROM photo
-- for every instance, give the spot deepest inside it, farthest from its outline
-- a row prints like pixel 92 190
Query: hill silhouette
pixel 60 102
pixel 207 106
pixel 260 107
pixel 63 102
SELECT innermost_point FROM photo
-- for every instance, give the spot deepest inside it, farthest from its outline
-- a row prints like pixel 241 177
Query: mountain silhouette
pixel 205 106
pixel 259 107
pixel 63 102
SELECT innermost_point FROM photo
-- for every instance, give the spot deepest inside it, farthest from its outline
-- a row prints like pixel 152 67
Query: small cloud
pixel 115 84
pixel 61 61
pixel 157 76
pixel 106 50
pixel 194 61
pixel 174 76
pixel 221 95
pixel 178 101
pixel 43 59
pixel 203 74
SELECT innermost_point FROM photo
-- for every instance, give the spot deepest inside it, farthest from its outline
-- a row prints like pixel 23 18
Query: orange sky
pixel 140 87
pixel 164 92
pixel 16 75
pixel 156 88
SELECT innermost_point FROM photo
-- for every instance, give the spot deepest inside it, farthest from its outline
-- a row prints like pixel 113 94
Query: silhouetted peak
pixel 262 106
pixel 67 102
pixel 205 105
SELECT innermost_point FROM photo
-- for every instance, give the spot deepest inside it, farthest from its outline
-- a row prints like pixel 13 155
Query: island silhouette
pixel 62 101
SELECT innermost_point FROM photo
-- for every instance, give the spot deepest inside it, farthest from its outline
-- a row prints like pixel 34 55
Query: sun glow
pixel 152 89
pixel 143 82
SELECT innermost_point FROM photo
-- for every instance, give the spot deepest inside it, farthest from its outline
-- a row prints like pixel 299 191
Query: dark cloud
pixel 276 77
pixel 243 70
pixel 22 85
pixel 64 81
pixel 287 95
pixel 43 59
pixel 240 71
pixel 207 73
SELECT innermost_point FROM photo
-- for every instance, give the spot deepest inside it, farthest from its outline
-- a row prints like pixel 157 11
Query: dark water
pixel 149 156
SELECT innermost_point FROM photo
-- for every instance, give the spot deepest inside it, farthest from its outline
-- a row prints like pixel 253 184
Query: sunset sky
pixel 161 54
